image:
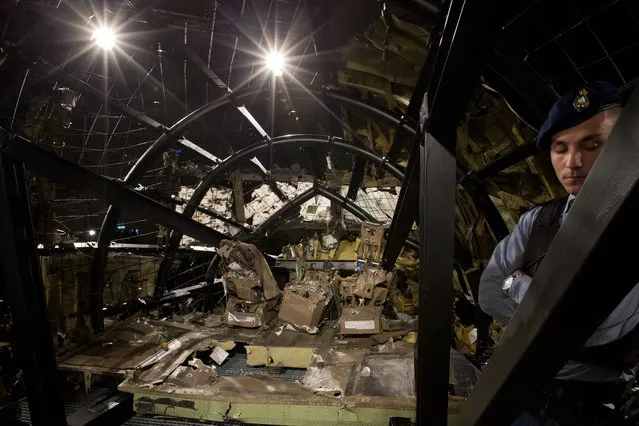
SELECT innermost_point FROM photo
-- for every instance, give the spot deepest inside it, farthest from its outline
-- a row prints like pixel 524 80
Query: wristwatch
pixel 505 286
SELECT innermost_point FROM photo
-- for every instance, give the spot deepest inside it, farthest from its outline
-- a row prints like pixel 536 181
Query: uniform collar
pixel 571 199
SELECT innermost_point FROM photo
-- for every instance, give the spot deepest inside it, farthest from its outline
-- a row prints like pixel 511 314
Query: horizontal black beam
pixel 51 166
pixel 566 301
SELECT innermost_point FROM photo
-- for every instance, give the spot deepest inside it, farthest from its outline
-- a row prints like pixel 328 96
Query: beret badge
pixel 581 102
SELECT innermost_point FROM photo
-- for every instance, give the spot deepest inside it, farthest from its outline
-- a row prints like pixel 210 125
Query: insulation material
pixel 292 191
pixel 317 209
pixel 252 290
pixel 379 203
pixel 263 204
pixel 246 265
pixel 216 199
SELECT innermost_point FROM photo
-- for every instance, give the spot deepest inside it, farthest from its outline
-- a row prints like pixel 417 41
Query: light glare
pixel 275 62
pixel 104 37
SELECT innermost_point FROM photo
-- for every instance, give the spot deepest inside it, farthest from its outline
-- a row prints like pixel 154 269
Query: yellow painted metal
pixel 268 414
pixel 290 357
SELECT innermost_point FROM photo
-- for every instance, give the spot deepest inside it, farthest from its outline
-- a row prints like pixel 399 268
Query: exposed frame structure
pixel 601 219
pixel 233 161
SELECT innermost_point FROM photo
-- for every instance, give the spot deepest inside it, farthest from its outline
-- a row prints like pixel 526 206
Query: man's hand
pixel 518 285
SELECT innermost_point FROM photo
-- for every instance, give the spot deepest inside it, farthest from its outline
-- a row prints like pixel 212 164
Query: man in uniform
pixel 589 388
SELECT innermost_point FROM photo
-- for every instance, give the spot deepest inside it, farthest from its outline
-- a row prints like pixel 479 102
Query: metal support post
pixel 33 344
pixel 436 235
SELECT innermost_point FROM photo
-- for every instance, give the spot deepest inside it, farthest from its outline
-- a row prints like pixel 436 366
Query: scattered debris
pixel 219 355
pixel 252 290
pixel 305 300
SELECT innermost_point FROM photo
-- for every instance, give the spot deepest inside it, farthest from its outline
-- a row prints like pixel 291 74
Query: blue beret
pixel 575 107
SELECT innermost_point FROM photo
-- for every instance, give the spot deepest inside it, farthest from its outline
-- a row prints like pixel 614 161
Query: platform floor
pixel 272 376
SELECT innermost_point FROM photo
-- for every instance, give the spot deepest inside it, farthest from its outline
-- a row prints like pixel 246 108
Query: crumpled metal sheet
pixel 244 260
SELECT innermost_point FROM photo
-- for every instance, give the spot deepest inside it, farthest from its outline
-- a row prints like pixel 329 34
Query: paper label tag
pixel 235 267
pixel 472 336
pixel 359 325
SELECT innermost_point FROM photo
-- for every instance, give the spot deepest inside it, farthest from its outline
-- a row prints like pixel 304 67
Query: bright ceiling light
pixel 104 37
pixel 275 62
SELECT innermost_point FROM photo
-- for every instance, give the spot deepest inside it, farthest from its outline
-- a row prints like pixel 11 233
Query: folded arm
pixel 507 257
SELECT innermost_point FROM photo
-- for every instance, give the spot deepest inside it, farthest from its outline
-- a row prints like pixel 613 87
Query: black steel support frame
pixel 154 152
pixel 566 301
pixel 56 168
pixel 406 211
pixel 469 32
pixel 20 266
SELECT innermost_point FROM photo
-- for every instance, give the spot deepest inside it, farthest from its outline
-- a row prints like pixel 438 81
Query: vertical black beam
pixel 437 234
pixel 468 35
pixel 357 178
pixel 33 344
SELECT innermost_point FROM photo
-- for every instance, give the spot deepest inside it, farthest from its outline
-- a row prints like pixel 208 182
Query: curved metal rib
pixel 163 142
pixel 234 160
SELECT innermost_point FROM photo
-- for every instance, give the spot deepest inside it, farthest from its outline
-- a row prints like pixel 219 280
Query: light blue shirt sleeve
pixel 507 257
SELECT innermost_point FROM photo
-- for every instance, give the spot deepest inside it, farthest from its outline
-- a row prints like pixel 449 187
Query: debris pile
pixel 306 299
pixel 362 296
pixel 252 291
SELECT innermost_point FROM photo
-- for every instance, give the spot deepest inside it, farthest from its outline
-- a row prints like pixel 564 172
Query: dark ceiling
pixel 548 47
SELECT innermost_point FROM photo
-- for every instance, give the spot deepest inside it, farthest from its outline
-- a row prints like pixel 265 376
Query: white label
pixel 235 267
pixel 472 336
pixel 359 325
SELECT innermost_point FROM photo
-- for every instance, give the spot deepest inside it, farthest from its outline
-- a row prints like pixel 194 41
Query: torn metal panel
pixel 194 375
pixel 124 347
pixel 281 346
pixel 289 357
pixel 306 299
pixel 388 374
